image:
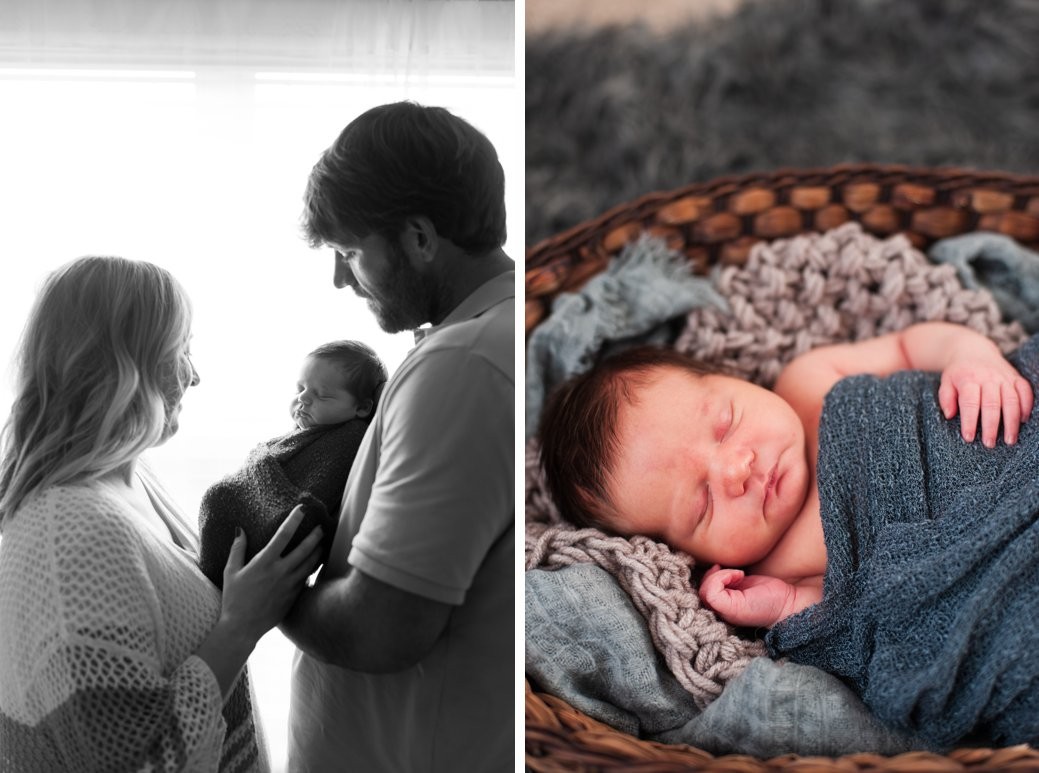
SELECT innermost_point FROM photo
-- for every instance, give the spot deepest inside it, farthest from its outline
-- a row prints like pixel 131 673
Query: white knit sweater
pixel 100 613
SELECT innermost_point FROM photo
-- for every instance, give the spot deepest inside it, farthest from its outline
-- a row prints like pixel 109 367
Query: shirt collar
pixel 490 293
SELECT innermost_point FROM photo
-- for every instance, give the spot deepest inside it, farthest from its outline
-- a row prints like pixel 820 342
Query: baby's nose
pixel 735 470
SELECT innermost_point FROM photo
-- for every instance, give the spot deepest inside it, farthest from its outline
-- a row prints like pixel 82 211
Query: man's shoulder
pixel 488 337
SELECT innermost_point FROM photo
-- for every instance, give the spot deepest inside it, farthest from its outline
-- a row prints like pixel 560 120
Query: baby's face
pixel 712 465
pixel 321 397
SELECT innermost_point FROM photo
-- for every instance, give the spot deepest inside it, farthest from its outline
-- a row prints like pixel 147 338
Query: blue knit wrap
pixel 930 607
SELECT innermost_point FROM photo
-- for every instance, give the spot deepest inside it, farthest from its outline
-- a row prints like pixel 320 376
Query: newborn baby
pixel 650 442
pixel 336 396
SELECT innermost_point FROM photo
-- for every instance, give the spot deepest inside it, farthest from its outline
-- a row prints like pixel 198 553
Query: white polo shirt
pixel 429 509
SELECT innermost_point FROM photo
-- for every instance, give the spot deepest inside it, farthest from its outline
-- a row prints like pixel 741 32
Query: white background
pixel 203 174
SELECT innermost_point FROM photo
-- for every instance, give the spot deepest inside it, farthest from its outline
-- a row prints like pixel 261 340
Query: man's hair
pixel 102 357
pixel 363 372
pixel 405 160
pixel 578 429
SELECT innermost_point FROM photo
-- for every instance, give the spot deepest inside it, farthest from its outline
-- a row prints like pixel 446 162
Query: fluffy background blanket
pixel 616 113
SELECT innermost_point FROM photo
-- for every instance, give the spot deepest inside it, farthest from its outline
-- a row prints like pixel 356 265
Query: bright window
pixel 203 173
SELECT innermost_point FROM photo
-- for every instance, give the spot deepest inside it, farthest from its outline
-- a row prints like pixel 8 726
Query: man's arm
pixel 439 501
pixel 364 624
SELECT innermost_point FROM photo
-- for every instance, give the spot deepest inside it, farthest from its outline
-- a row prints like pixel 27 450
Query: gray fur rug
pixel 619 112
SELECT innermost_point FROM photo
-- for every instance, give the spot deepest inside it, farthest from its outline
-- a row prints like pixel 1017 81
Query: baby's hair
pixel 363 371
pixel 578 434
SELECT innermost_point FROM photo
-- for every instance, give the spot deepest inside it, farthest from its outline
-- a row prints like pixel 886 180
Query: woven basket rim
pixel 583 242
pixel 542 251
pixel 614 751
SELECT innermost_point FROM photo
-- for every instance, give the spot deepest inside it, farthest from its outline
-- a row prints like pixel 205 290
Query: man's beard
pixel 407 300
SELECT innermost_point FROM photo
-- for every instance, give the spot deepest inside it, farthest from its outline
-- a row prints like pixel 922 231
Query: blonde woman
pixel 116 653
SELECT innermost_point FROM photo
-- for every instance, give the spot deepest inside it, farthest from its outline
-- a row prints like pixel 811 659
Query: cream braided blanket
pixel 792 295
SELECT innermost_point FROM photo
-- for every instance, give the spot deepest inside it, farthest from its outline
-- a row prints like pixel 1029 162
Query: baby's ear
pixel 364 410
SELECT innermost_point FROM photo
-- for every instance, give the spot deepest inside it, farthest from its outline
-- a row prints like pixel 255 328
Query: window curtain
pixel 390 37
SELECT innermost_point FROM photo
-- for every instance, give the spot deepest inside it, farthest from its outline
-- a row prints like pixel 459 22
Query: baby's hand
pixel 990 387
pixel 752 601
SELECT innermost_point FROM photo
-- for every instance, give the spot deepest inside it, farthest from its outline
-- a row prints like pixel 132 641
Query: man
pixel 406 641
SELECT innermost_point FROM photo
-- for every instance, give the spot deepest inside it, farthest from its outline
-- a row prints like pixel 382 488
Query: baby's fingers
pixel 947 398
pixel 1024 393
pixel 996 401
pixel 715 582
pixel 1011 416
pixel 969 400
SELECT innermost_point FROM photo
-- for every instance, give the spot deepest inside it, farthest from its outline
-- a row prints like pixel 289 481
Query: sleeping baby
pixel 336 396
pixel 845 510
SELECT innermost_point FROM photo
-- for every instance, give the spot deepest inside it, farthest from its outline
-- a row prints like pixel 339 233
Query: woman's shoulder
pixel 80 528
pixel 90 508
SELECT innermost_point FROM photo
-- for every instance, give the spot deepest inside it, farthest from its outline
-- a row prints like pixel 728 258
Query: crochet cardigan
pixel 100 614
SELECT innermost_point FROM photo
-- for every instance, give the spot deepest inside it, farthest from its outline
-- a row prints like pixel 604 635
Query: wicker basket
pixel 719 221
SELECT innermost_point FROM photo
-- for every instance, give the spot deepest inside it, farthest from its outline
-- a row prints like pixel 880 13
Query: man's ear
pixel 419 240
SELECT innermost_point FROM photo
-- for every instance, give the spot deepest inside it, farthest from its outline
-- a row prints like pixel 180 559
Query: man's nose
pixel 342 275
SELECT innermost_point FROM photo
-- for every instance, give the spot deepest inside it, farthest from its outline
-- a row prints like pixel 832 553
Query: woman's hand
pixel 257 595
pixel 985 385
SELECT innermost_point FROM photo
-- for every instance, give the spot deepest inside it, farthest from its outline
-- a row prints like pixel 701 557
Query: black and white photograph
pixel 258 333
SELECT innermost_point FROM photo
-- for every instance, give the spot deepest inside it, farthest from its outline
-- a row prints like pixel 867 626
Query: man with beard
pixel 406 639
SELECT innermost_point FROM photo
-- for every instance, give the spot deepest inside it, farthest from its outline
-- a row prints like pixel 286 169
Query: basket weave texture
pixel 718 222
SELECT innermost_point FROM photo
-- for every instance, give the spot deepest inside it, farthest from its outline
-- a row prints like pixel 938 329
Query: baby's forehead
pixel 323 367
pixel 632 384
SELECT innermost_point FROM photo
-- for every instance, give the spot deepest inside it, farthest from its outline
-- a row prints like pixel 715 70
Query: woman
pixel 116 653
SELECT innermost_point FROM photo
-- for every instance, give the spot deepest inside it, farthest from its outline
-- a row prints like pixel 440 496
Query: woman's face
pixel 176 385
pixel 712 465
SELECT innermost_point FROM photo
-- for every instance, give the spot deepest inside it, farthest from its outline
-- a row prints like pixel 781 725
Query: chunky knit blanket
pixel 839 286
pixel 931 593
pixel 306 466
pixel 100 614
pixel 791 295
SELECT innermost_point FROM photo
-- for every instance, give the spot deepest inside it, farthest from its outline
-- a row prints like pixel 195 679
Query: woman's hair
pixel 404 160
pixel 578 429
pixel 363 371
pixel 102 359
